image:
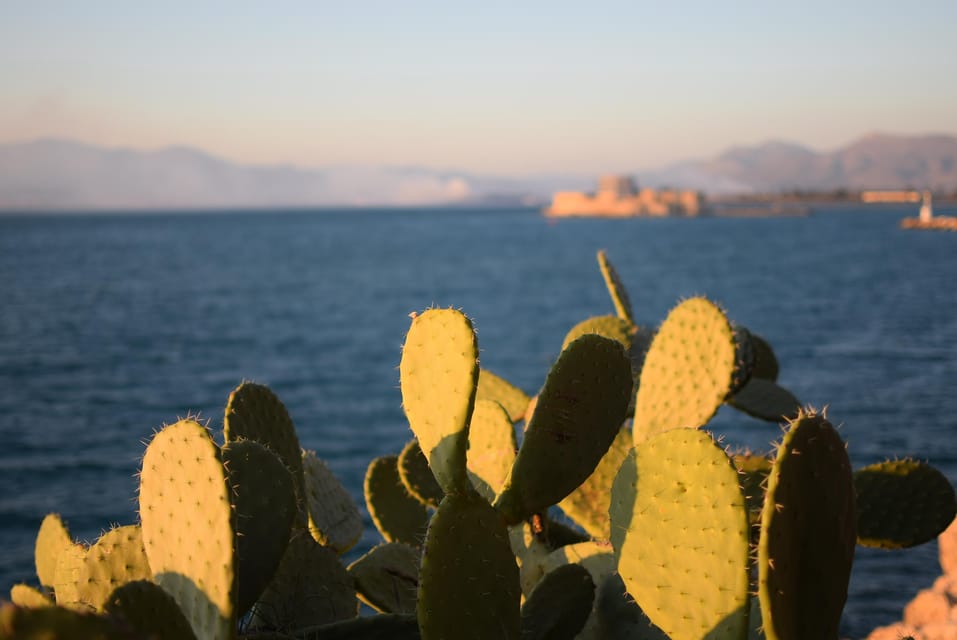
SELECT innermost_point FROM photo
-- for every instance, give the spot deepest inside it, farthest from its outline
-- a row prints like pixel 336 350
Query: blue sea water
pixel 112 325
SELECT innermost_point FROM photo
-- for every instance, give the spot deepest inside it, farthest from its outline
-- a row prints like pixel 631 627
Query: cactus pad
pixel 469 584
pixel 588 503
pixel 765 400
pixel 417 476
pixel 688 370
pixel 185 505
pixel 902 503
pixel 616 289
pixel 438 376
pixel 398 516
pixel 51 540
pixel 117 557
pixel 491 448
pixel 493 387
pixel 387 577
pixel 579 412
pixel 24 595
pixel 680 533
pixel 334 519
pixel 264 503
pixel 613 327
pixel 807 533
pixel 56 623
pixel 559 605
pixel 765 362
pixel 146 608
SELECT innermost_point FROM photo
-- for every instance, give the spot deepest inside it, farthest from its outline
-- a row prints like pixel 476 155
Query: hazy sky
pixel 501 87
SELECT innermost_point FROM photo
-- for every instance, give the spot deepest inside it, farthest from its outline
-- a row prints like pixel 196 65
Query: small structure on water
pixel 926 218
pixel 618 196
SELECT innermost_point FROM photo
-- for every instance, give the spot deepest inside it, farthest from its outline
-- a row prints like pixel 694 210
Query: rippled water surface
pixel 112 325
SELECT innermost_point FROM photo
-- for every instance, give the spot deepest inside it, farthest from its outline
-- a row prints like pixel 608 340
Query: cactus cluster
pixel 671 534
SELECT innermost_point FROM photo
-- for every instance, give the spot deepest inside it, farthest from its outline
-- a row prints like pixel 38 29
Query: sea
pixel 114 324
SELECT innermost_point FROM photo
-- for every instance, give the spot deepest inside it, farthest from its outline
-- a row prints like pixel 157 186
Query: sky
pixel 504 88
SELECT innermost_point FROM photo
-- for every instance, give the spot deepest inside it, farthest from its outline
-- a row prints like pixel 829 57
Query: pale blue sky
pixel 495 87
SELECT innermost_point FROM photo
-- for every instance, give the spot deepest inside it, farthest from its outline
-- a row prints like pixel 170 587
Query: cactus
pixel 902 503
pixel 24 595
pixel 559 605
pixel 492 448
pixel 264 504
pixel 334 519
pixel 680 534
pixel 765 400
pixel 439 375
pixel 616 289
pixel 52 539
pixel 145 607
pixel 185 504
pixel 417 477
pixel 469 582
pixel 612 327
pixel 497 389
pixel 57 623
pixel 765 362
pixel 808 533
pixel 387 577
pixel 579 411
pixel 398 516
pixel 687 372
pixel 117 557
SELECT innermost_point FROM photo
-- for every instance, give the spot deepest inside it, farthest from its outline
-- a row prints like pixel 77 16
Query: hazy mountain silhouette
pixel 62 174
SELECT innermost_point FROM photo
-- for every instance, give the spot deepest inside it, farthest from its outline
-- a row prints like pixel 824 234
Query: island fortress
pixel 619 197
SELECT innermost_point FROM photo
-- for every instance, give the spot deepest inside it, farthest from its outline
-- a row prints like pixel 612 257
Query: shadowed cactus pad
pixel 148 609
pixel 334 519
pixel 469 584
pixel 497 389
pixel 616 289
pixel 559 605
pixel 438 377
pixel 397 515
pixel 185 504
pixel 612 327
pixel 387 577
pixel 765 400
pixel 688 370
pixel 681 535
pixel 901 503
pixel 807 533
pixel 417 476
pixel 579 412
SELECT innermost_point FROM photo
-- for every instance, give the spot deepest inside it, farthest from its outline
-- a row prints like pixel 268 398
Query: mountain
pixel 61 174
pixel 876 161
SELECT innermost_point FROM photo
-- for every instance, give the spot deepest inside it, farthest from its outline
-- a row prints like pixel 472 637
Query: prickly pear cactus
pixel 52 539
pixel 469 584
pixel 619 296
pixel 146 608
pixel 902 503
pixel 579 412
pixel 438 377
pixel 417 477
pixel 398 516
pixel 808 533
pixel 497 389
pixel 559 605
pixel 681 535
pixel 188 526
pixel 687 372
pixel 492 448
pixel 117 557
pixel 765 400
pixel 387 577
pixel 612 327
pixel 334 519
pixel 24 595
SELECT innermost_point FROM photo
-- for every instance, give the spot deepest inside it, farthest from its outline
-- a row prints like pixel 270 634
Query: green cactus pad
pixel 597 557
pixel 417 476
pixel 24 595
pixel 397 515
pixel 264 503
pixel 185 505
pixel 52 538
pixel 310 588
pixel 807 533
pixel 559 605
pixel 492 448
pixel 616 289
pixel 147 609
pixel 680 533
pixel 765 362
pixel 531 552
pixel 387 577
pixel 56 623
pixel 765 400
pixel 117 557
pixel 254 412
pixel 334 519
pixel 385 626
pixel 579 412
pixel 612 327
pixel 469 583
pixel 687 371
pixel 617 615
pixel 588 503
pixel 744 358
pixel 753 470
pixel 902 503
pixel 438 376
pixel 497 389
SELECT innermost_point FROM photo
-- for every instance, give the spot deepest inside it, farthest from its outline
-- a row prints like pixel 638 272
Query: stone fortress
pixel 620 197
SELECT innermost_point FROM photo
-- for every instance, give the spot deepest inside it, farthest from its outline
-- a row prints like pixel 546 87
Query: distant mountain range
pixel 61 174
